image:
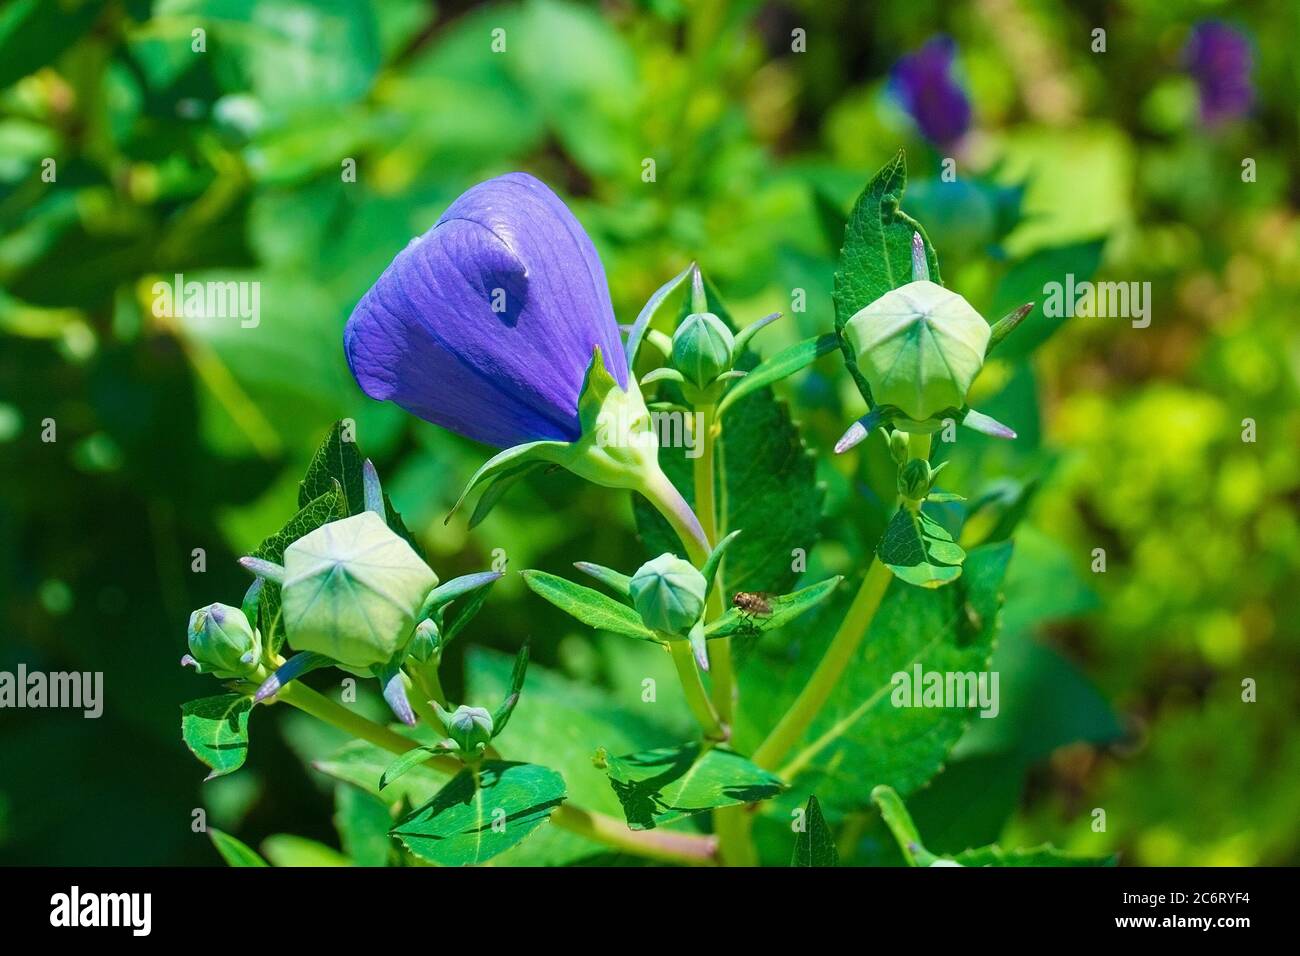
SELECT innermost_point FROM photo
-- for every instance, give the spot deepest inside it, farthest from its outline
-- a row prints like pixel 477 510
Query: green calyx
pixel 468 728
pixel 352 591
pixel 222 642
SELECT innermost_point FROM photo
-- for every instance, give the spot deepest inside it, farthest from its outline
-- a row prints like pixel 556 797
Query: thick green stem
pixel 838 654
pixel 721 672
pixel 664 845
pixel 668 501
pixel 696 696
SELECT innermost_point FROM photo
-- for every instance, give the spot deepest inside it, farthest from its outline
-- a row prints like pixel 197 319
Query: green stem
pixel 721 671
pixel 696 696
pixel 663 845
pixel 668 501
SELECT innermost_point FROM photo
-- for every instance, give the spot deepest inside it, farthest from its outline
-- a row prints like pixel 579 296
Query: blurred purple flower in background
pixel 1219 58
pixel 486 324
pixel 923 83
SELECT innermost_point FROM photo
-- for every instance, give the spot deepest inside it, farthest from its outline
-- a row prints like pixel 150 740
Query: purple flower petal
pixel 1219 59
pixel 924 85
pixel 427 335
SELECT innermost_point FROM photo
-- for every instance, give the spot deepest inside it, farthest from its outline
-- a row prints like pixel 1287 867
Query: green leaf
pixel 919 551
pixel 614 580
pixel 900 824
pixel 559 722
pixel 234 852
pixel 781 365
pixel 767 487
pixel 649 311
pixel 589 606
pixel 363 765
pixel 861 739
pixel 328 507
pixel 287 849
pixel 216 731
pixel 814 845
pixel 658 786
pixel 363 821
pixel 336 460
pixel 407 762
pixel 785 609
pixel 480 814
pixel 877 253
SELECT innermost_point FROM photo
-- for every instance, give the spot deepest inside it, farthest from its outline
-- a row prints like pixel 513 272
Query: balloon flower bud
pixel 669 594
pixel 470 728
pixel 222 642
pixel 352 591
pixel 703 348
pixel 425 642
pixel 919 347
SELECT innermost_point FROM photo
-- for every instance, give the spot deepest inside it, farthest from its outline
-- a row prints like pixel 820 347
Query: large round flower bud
pixel 669 594
pixel 222 642
pixel 919 348
pixel 702 348
pixel 469 727
pixel 352 590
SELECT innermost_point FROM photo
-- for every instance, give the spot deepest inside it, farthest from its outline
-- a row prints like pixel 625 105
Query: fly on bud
pixel 222 642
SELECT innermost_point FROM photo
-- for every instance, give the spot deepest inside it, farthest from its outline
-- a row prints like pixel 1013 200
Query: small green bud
pixel 669 594
pixel 898 446
pixel 352 590
pixel 914 479
pixel 425 641
pixel 470 728
pixel 919 347
pixel 222 642
pixel 703 348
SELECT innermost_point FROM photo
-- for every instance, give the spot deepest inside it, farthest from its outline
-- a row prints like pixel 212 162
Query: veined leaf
pixel 658 786
pixel 781 365
pixel 216 731
pixel 589 606
pixel 919 551
pixel 877 253
pixel 814 845
pixel 481 813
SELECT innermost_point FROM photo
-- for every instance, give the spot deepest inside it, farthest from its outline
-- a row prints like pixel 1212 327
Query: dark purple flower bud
pixel 1220 60
pixel 487 323
pixel 924 85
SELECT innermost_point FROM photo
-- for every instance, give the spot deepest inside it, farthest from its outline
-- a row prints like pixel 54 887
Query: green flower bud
pixel 898 446
pixel 470 728
pixel 669 594
pixel 352 590
pixel 919 348
pixel 914 479
pixel 222 642
pixel 425 641
pixel 703 348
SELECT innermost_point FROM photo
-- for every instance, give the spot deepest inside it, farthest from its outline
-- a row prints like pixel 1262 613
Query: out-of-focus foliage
pixel 128 155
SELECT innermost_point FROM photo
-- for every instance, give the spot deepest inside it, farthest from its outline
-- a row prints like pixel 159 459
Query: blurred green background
pixel 176 434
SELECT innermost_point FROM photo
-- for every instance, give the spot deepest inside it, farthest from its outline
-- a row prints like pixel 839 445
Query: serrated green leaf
pixel 362 821
pixel 767 487
pixel 877 253
pixel 480 814
pixel 216 731
pixel 814 845
pixel 336 460
pixel 589 606
pixel 860 739
pixel 235 852
pixel 658 786
pixel 919 551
